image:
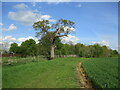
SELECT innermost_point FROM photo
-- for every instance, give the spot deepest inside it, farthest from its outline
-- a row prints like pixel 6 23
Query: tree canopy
pixel 31 48
pixel 49 33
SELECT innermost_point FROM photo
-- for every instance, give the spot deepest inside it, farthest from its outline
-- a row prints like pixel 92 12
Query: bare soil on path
pixel 84 82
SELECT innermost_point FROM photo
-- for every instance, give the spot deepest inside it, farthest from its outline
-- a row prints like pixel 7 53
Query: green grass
pixel 103 72
pixel 48 74
pixel 61 73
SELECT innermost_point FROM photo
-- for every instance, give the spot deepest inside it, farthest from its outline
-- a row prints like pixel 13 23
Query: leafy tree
pixel 80 50
pixel 97 50
pixel 51 32
pixel 106 51
pixel 28 47
pixel 39 49
pixel 65 49
pixel 114 53
pixel 13 48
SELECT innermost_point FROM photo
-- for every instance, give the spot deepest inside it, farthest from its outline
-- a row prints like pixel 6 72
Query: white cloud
pixel 69 39
pixel 69 29
pixel 1 24
pixel 46 17
pixel 56 1
pixel 28 17
pixel 21 39
pixel 103 42
pixel 79 5
pixel 8 38
pixel 24 17
pixel 11 39
pixel 20 6
pixel 52 20
pixel 10 28
pixel 24 39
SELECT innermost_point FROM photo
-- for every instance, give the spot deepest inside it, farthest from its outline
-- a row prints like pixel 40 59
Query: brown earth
pixel 84 82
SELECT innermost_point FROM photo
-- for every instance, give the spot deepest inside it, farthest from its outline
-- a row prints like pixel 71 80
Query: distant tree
pixel 97 50
pixel 114 53
pixel 91 51
pixel 80 50
pixel 13 48
pixel 72 49
pixel 28 47
pixel 51 32
pixel 66 49
pixel 106 51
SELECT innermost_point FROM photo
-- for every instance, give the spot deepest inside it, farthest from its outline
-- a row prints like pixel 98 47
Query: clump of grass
pixel 21 60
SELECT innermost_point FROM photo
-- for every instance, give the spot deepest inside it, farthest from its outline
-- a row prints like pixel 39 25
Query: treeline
pixel 88 51
pixel 30 48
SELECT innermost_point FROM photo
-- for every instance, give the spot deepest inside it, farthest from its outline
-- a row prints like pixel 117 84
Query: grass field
pixel 103 72
pixel 61 73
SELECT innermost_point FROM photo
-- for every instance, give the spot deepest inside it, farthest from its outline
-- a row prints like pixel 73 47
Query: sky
pixel 95 22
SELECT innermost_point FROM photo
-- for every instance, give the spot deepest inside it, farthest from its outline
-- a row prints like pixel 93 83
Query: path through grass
pixel 61 73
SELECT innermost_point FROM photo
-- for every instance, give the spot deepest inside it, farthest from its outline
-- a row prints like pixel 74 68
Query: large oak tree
pixel 53 31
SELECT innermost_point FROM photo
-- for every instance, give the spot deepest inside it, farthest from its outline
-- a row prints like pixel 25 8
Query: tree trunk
pixel 52 52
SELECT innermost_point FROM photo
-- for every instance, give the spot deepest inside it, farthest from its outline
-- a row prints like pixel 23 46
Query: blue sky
pixel 95 22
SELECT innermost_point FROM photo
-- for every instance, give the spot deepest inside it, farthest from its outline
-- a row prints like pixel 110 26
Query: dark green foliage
pixel 14 48
pixel 27 48
pixel 30 48
pixel 87 51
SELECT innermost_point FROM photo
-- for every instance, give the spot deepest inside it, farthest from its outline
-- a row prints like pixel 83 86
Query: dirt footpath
pixel 84 82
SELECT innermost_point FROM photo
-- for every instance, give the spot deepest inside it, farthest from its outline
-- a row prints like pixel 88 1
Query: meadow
pixel 59 72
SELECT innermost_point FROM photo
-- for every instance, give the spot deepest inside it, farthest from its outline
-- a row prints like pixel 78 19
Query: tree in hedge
pixel 106 51
pixel 51 32
pixel 65 49
pixel 80 50
pixel 39 49
pixel 98 51
pixel 14 48
pixel 114 53
pixel 28 47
